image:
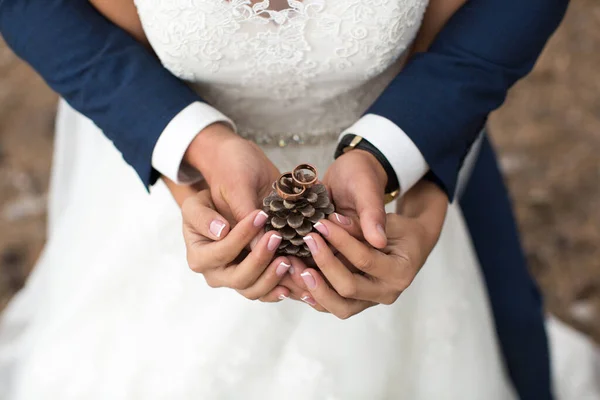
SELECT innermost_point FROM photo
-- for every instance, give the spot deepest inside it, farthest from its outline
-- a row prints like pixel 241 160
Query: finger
pixel 321 293
pixel 419 197
pixel 295 289
pixel 298 266
pixel 199 215
pixel 254 242
pixel 350 224
pixel 203 256
pixel 242 201
pixel 368 260
pixel 346 283
pixel 180 193
pixel 268 280
pixel 276 295
pixel 295 274
pixel 434 207
pixel 369 204
pixel 414 238
pixel 246 273
pixel 410 245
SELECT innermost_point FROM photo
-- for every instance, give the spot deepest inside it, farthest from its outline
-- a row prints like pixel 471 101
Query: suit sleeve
pixel 101 70
pixel 442 98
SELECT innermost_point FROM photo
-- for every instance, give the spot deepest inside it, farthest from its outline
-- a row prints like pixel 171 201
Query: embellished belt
pixel 291 139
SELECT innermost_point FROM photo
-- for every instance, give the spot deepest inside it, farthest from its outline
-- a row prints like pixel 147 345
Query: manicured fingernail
pixel 322 229
pixel 274 242
pixel 282 297
pixel 260 219
pixel 341 219
pixel 216 227
pixel 282 269
pixel 381 230
pixel 312 245
pixel 309 300
pixel 291 270
pixel 308 279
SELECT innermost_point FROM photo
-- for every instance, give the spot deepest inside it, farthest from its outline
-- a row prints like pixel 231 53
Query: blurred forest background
pixel 548 133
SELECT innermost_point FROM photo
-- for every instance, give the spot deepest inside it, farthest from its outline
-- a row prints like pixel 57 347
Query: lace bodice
pixel 284 70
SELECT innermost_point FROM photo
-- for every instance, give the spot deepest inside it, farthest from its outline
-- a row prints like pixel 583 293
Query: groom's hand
pixel 357 181
pixel 238 176
pixel 237 171
pixel 360 276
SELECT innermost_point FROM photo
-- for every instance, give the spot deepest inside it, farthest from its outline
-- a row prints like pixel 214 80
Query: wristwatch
pixel 354 142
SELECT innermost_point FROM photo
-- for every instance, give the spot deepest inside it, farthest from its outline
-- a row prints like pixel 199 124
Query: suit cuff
pixel 167 157
pixel 403 155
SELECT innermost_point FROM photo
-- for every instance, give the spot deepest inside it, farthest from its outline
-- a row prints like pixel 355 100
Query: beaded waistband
pixel 291 139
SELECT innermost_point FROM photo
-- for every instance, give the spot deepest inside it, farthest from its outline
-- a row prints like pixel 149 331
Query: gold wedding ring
pixel 301 178
pixel 287 193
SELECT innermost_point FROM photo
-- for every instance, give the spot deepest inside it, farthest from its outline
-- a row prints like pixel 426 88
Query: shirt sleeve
pixel 402 154
pixel 167 157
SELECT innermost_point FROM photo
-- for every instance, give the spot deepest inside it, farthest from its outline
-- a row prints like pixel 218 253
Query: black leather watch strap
pixel 354 142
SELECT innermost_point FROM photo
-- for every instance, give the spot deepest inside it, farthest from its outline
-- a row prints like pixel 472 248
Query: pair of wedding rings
pixel 302 178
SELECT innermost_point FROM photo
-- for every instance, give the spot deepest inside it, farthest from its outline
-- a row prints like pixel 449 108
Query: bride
pixel 112 311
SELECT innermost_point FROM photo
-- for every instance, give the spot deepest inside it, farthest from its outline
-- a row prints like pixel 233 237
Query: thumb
pixel 201 221
pixel 370 207
pixel 242 200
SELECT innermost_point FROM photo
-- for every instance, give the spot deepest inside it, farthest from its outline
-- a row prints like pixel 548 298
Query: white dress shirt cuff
pixel 403 155
pixel 167 157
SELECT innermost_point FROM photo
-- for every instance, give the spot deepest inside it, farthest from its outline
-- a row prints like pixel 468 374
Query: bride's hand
pixel 382 274
pixel 217 251
pixel 237 171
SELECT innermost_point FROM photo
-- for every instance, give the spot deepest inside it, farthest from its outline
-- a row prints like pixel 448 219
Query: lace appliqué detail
pixel 297 69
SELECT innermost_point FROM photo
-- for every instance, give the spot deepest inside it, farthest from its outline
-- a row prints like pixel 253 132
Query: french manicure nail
pixel 291 270
pixel 274 242
pixel 260 219
pixel 282 269
pixel 310 242
pixel 308 279
pixel 342 219
pixel 322 229
pixel 282 297
pixel 216 227
pixel 309 300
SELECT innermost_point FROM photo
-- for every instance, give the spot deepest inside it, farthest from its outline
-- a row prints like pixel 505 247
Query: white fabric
pixel 111 310
pixel 167 157
pixel 403 155
pixel 312 68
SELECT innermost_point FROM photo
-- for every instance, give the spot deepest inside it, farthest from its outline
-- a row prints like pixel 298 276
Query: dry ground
pixel 548 133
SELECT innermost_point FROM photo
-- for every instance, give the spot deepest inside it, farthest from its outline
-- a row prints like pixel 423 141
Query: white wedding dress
pixel 112 311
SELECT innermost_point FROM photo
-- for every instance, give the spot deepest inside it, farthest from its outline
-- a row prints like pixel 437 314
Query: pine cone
pixel 294 219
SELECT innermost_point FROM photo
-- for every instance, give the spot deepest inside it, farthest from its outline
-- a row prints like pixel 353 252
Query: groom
pixel 485 48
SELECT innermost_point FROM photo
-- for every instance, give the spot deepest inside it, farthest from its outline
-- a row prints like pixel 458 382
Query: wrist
pixel 374 165
pixel 355 142
pixel 204 149
pixel 180 192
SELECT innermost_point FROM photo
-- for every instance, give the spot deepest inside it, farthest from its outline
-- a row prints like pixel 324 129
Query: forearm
pixel 442 97
pixel 181 193
pixel 100 70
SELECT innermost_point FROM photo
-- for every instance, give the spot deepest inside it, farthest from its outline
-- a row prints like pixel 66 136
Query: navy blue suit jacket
pixel 441 100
